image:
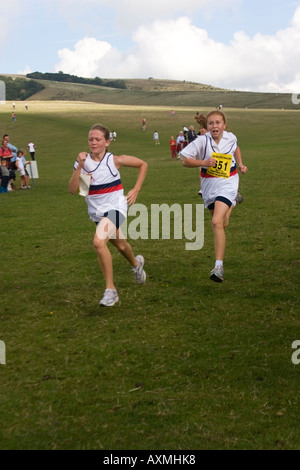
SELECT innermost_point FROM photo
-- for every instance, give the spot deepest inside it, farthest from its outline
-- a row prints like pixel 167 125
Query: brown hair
pixel 201 120
pixel 100 127
pixel 219 113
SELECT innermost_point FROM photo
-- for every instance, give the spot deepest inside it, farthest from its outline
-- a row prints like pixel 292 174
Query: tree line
pixel 19 88
pixel 66 77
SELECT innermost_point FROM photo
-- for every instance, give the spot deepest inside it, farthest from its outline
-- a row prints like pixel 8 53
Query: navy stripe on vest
pixel 97 187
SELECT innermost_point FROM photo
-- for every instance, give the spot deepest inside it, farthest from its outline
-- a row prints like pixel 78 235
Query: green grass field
pixel 181 362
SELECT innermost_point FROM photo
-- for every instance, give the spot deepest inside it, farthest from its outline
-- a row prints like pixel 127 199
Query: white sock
pixel 219 262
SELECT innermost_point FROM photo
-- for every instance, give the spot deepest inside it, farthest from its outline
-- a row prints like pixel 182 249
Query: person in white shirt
pixel 218 155
pixel 107 205
pixel 31 148
pixel 156 138
pixel 180 140
pixel 24 177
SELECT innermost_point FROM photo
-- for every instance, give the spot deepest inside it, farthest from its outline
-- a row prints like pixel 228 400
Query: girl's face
pixel 97 142
pixel 216 126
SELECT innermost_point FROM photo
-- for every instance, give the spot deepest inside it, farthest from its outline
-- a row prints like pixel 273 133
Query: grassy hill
pixel 154 92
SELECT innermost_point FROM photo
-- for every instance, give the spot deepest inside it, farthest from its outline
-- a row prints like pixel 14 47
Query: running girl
pixel 218 155
pixel 107 205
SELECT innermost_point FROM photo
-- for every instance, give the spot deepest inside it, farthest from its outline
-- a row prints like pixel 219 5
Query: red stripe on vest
pixel 106 190
pixel 205 175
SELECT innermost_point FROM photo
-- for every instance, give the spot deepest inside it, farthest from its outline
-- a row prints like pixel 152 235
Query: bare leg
pixel 106 231
pixel 101 238
pixel 227 217
pixel 220 220
pixel 124 248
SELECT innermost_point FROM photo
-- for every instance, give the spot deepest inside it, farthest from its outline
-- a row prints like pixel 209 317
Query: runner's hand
pixel 82 158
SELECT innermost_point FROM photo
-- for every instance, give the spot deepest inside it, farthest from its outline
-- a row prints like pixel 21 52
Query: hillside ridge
pixel 161 92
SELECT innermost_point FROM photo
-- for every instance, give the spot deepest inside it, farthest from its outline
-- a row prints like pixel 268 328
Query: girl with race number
pixel 218 155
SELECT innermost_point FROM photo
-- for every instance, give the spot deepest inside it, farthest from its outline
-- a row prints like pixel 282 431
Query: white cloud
pixel 26 70
pixel 84 60
pixel 169 47
pixel 176 49
pixel 271 62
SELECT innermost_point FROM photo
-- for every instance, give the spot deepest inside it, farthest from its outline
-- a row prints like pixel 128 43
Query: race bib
pixel 222 166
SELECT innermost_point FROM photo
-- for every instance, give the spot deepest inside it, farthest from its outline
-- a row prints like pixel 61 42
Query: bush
pixel 65 77
pixel 20 88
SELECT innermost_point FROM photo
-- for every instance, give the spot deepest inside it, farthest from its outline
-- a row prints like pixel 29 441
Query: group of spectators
pixel 183 138
pixel 13 160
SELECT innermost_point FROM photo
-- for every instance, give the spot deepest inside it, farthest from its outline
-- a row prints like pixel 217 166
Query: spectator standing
pixel 12 165
pixel 24 177
pixel 172 144
pixel 180 142
pixel 4 175
pixel 6 154
pixel 31 148
pixel 156 138
pixel 5 151
pixel 185 133
pixel 11 147
pixel 191 134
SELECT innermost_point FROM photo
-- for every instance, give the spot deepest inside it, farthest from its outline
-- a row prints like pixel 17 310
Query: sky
pixel 251 45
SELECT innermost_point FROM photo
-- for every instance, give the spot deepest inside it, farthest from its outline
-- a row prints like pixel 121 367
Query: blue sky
pixel 234 44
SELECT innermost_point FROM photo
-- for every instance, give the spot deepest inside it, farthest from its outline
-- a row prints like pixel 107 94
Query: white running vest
pixel 106 191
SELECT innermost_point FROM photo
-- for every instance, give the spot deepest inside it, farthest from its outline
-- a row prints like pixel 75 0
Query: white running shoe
pixel 217 274
pixel 139 273
pixel 239 198
pixel 109 298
